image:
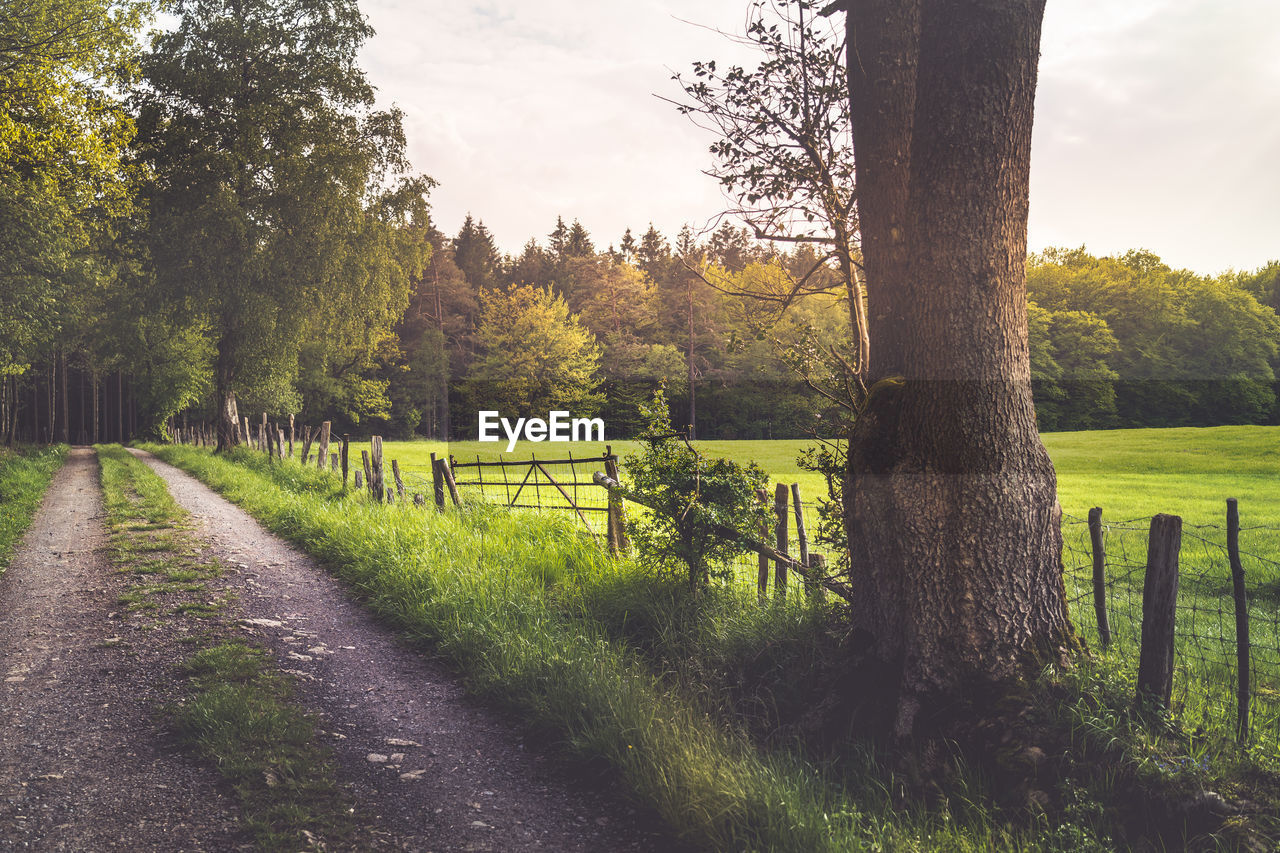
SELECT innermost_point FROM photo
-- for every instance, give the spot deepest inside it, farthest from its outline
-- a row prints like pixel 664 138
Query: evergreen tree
pixel 476 254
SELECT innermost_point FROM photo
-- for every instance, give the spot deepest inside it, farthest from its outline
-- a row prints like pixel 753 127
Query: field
pixel 1132 475
pixel 1129 473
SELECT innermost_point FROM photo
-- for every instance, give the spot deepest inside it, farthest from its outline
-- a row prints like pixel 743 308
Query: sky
pixel 1157 121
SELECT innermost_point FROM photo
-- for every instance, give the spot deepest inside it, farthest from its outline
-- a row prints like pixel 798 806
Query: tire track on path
pixel 83 763
pixel 431 768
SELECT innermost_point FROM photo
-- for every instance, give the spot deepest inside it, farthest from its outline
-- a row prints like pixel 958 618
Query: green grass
pixel 1129 473
pixel 238 712
pixel 621 666
pixel 24 477
pixel 240 717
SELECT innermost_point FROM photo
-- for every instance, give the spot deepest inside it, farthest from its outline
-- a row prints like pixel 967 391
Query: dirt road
pixel 85 765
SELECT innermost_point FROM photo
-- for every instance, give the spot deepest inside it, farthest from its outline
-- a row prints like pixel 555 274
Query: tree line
pixel 224 221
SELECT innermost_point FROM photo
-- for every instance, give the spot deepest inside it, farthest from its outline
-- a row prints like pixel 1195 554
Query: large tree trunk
pixel 950 497
pixel 228 412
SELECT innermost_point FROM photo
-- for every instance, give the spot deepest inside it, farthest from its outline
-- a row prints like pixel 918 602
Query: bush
pixel 690 496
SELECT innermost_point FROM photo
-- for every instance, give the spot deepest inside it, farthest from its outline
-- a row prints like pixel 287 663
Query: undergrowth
pixel 24 476
pixel 691 698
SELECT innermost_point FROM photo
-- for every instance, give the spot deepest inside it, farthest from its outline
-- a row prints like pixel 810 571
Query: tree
pixel 477 255
pixel 64 186
pixel 950 497
pixel 537 356
pixel 784 154
pixel 281 206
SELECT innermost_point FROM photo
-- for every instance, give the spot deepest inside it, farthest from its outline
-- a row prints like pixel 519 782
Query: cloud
pixel 1157 123
pixel 1157 126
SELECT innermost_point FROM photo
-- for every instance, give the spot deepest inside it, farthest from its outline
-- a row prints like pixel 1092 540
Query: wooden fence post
pixel 1159 613
pixel 419 500
pixel 262 433
pixel 395 472
pixel 1242 620
pixel 801 538
pixel 618 542
pixel 1099 576
pixel 358 483
pixel 291 436
pixel 817 571
pixel 437 481
pixel 762 579
pixel 780 568
pixel 450 483
pixel 375 459
pixel 280 444
pixel 346 445
pixel 322 454
pixel 306 444
pixel 333 462
pixel 368 476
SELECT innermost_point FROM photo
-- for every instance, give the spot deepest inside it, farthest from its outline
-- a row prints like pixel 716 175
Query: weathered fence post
pixel 368 476
pixel 437 481
pixel 333 462
pixel 618 542
pixel 291 436
pixel 450 483
pixel 346 445
pixel 780 566
pixel 762 579
pixel 395 472
pixel 1099 576
pixel 358 483
pixel 280 443
pixel 375 460
pixel 419 500
pixel 262 433
pixel 817 571
pixel 1159 613
pixel 322 454
pixel 306 444
pixel 248 436
pixel 801 538
pixel 1242 620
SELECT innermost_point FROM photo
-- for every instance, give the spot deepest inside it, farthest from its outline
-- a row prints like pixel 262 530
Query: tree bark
pixel 950 500
pixel 228 411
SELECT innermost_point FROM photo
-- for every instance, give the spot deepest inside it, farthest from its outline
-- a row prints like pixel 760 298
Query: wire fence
pixel 1206 679
pixel 1207 685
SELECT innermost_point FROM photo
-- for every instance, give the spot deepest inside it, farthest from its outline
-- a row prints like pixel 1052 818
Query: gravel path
pixel 429 768
pixel 83 766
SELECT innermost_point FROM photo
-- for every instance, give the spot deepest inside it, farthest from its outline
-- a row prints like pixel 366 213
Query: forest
pixel 173 237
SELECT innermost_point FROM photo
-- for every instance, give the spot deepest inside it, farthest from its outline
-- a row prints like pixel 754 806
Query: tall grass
pixel 24 477
pixel 538 618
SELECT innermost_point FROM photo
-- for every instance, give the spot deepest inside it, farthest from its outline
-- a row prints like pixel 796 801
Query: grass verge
pixel 538 618
pixel 24 477
pixel 235 710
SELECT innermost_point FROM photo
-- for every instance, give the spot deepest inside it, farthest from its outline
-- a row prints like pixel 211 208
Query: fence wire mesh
pixel 1206 673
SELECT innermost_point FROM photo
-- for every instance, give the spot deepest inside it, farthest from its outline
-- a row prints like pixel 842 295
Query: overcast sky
pixel 1157 121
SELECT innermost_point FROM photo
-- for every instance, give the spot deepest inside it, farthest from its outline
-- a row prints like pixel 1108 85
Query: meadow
pixel 693 700
pixel 1130 473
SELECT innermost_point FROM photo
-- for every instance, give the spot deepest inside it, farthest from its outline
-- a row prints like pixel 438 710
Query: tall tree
pixel 951 501
pixel 64 186
pixel 537 355
pixel 274 213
